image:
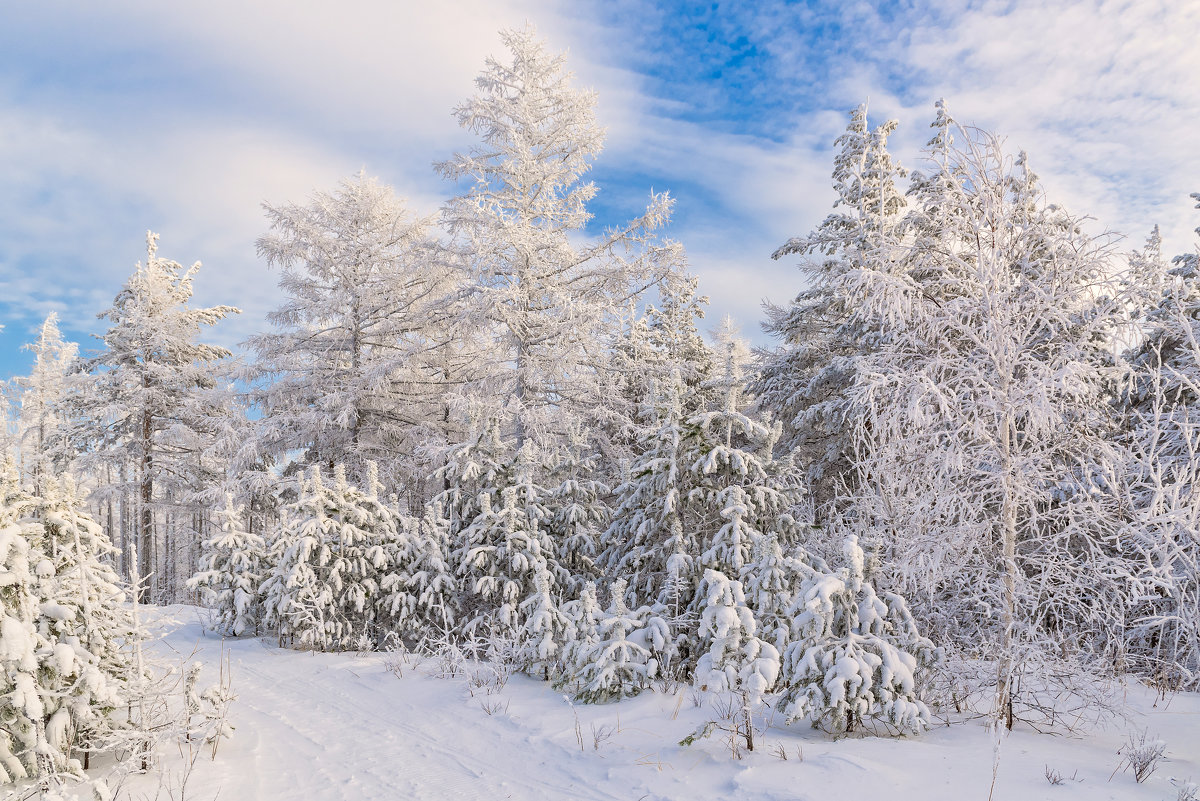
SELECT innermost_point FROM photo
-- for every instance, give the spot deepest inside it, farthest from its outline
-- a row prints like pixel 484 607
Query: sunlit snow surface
pixel 344 726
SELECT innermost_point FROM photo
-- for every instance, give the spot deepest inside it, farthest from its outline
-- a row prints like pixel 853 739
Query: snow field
pixel 344 726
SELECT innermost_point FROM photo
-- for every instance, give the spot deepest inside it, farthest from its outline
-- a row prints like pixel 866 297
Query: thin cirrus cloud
pixel 125 116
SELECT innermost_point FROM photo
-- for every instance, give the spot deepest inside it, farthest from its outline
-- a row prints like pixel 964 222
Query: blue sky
pixel 124 116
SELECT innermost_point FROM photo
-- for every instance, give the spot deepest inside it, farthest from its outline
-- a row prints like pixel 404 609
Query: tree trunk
pixel 145 533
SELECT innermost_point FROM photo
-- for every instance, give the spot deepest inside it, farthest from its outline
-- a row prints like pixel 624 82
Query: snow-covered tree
pixel 146 413
pixel 503 550
pixel 576 503
pixel 771 580
pixel 83 617
pixel 620 664
pixel 653 347
pixel 363 351
pixel 475 468
pixel 24 749
pixel 420 591
pixel 734 659
pixel 805 383
pixel 737 491
pixel 584 615
pixel 553 302
pixel 324 591
pixel 1164 471
pixel 41 422
pixel 984 457
pixel 232 573
pixel 854 656
pixel 545 628
pixel 647 530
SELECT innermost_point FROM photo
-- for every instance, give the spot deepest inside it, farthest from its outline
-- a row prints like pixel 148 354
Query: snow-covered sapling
pixel 853 656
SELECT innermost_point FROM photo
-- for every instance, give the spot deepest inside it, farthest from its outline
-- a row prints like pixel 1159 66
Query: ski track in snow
pixel 334 727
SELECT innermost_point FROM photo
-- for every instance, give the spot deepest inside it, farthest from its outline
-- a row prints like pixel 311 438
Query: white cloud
pixel 1102 94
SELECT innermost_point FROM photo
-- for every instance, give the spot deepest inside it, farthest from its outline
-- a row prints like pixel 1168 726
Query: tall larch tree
pixel 365 349
pixel 551 300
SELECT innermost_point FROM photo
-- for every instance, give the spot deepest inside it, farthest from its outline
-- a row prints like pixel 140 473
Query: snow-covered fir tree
pixel 620 663
pixel 771 581
pixel 232 573
pixel 421 594
pixel 545 627
pixel 733 658
pixel 584 614
pixel 324 592
pixel 854 656
pixel 501 552
pixel 738 492
pixel 654 346
pixel 647 530
pixel 805 383
pixel 578 512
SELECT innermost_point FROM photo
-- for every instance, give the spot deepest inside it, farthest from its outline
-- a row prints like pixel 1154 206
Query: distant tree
pixel 42 394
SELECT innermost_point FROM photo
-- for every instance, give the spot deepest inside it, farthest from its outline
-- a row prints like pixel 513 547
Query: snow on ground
pixel 345 726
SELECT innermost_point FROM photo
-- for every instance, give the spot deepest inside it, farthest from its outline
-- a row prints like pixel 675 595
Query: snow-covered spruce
pixel 43 448
pixel 544 628
pixel 501 551
pixel 230 578
pixel 805 383
pixel 324 591
pixel 735 659
pixel 647 528
pixel 1164 443
pixel 421 594
pixel 85 620
pixel 854 656
pixel 578 512
pixel 622 660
